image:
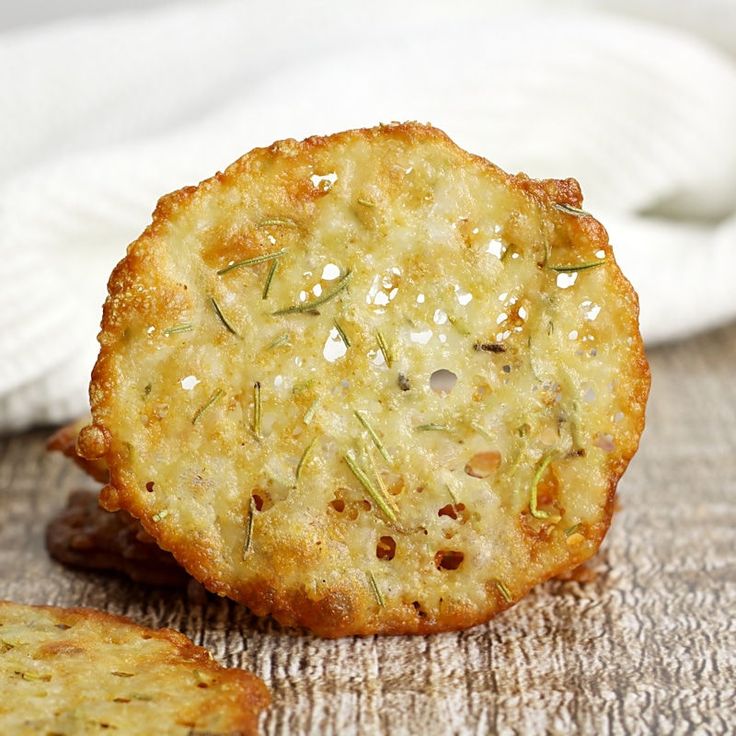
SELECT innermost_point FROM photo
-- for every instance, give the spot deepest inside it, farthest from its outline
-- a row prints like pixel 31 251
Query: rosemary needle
pixel 574 268
pixel 184 327
pixel 570 210
pixel 383 345
pixel 215 396
pixel 252 261
pixel 281 340
pixel 249 527
pixel 538 513
pixel 373 492
pixel 269 279
pixel 373 435
pixel 221 317
pixel 376 590
pixel 504 591
pixel 314 303
pixel 257 409
pixel 366 202
pixel 342 334
pixel 432 428
pixel 277 222
pixel 303 458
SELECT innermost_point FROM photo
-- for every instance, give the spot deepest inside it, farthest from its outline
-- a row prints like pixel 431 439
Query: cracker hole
pixel 447 559
pixel 483 464
pixel 149 486
pixel 418 608
pixel 338 505
pixel 258 500
pixel 386 548
pixel 451 510
pixel 442 381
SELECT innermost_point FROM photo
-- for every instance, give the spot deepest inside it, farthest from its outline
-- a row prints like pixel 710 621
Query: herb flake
pixel 370 488
pixel 249 527
pixel 212 399
pixel 309 306
pixel 373 435
pixel 257 409
pixel 536 512
pixel 341 332
pixel 278 222
pixel 303 458
pixel 269 279
pixel 504 591
pixel 432 428
pixel 221 317
pixel 183 327
pixel 575 267
pixel 383 345
pixel 252 261
pixel 376 590
pixel 568 209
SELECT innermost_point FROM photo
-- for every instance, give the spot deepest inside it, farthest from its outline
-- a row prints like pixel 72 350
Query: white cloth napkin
pixel 102 116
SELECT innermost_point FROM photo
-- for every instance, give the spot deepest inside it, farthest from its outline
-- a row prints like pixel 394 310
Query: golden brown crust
pixel 64 440
pixel 338 610
pixel 86 536
pixel 107 672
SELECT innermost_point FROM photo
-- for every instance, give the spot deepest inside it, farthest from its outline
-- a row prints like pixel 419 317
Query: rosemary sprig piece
pixel 277 222
pixel 215 396
pixel 504 591
pixel 249 527
pixel 570 210
pixel 160 515
pixel 370 488
pixel 574 529
pixel 459 325
pixel 342 334
pixel 314 303
pixel 310 412
pixel 257 409
pixel 281 340
pixel 536 512
pixel 383 345
pixel 376 590
pixel 366 202
pixel 432 428
pixel 184 327
pixel 373 435
pixel 269 279
pixel 482 431
pixel 221 317
pixel 575 267
pixel 452 494
pixel 303 458
pixel 252 261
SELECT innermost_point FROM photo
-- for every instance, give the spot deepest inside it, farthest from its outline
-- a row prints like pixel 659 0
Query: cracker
pixel 370 383
pixel 86 536
pixel 77 671
pixel 64 440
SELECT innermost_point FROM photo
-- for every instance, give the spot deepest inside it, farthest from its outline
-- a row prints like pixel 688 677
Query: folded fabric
pixel 103 116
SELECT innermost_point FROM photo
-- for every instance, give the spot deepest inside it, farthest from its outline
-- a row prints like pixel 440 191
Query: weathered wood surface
pixel 648 647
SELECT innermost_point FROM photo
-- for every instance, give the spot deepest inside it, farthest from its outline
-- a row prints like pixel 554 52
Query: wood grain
pixel 649 646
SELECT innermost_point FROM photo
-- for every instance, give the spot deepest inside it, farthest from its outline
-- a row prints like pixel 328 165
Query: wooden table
pixel 649 646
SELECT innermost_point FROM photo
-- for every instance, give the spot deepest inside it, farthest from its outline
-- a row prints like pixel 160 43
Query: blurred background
pixel 109 104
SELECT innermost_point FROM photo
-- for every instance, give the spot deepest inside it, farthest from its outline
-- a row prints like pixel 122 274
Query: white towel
pixel 102 116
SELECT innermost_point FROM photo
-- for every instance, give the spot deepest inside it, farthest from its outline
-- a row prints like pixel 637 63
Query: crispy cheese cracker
pixel 78 671
pixel 370 383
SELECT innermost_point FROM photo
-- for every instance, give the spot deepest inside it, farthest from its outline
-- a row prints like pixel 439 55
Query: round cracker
pixel 420 413
pixel 83 671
